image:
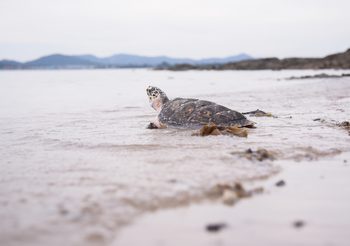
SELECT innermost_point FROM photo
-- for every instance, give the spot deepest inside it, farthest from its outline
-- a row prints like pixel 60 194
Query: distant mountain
pixel 236 58
pixel 59 61
pixel 9 64
pixel 90 58
pixel 135 60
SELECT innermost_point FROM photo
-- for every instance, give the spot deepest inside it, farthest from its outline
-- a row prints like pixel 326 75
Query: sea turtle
pixel 191 113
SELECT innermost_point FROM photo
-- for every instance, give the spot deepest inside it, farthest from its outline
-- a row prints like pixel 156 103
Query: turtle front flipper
pixel 151 125
pixel 156 124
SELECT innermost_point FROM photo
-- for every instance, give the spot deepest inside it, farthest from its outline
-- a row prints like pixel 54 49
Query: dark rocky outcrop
pixel 335 61
pixel 9 64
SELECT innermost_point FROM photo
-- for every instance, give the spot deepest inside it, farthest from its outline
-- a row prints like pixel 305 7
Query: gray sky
pixel 179 28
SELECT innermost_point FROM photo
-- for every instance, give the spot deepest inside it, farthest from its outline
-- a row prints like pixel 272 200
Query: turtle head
pixel 156 97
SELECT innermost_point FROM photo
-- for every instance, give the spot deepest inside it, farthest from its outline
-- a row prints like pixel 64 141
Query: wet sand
pixel 312 208
pixel 84 170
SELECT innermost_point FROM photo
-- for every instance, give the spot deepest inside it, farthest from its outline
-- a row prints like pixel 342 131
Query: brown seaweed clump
pixel 214 130
pixel 259 154
pixel 232 193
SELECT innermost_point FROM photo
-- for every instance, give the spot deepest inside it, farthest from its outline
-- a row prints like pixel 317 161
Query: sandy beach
pixel 86 171
pixel 316 195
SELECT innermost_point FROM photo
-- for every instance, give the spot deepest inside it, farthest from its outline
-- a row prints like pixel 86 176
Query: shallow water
pixel 77 162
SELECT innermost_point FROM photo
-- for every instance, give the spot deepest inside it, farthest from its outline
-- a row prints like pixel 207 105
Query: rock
pixel 215 227
pixel 229 197
pixel 298 223
pixel 280 183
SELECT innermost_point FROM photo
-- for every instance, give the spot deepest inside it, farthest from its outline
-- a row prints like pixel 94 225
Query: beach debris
pixel 235 130
pixel 62 209
pixel 319 76
pixel 259 154
pixel 332 123
pixel 214 130
pixel 280 183
pixel 259 113
pixel 209 129
pixel 96 237
pixel 172 181
pixel 298 223
pixel 215 227
pixel 229 197
pixel 310 153
pixel 231 193
pixel 345 125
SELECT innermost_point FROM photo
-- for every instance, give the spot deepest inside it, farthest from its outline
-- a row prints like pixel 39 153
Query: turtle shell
pixel 185 112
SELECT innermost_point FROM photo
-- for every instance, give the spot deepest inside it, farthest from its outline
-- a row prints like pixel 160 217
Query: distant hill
pixel 59 61
pixel 135 60
pixel 236 58
pixel 334 61
pixel 9 64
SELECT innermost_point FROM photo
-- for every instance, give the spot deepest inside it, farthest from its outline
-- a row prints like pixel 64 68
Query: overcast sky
pixel 179 28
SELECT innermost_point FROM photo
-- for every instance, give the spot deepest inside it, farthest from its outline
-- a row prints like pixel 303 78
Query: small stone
pixel 298 224
pixel 280 183
pixel 249 151
pixel 229 197
pixel 215 227
pixel 62 210
pixel 172 181
pixel 96 238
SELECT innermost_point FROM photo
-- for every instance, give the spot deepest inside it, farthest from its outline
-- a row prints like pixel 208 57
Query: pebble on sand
pixel 280 183
pixel 215 227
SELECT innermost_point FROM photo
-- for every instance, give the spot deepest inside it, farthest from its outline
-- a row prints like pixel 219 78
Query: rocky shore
pixel 334 61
